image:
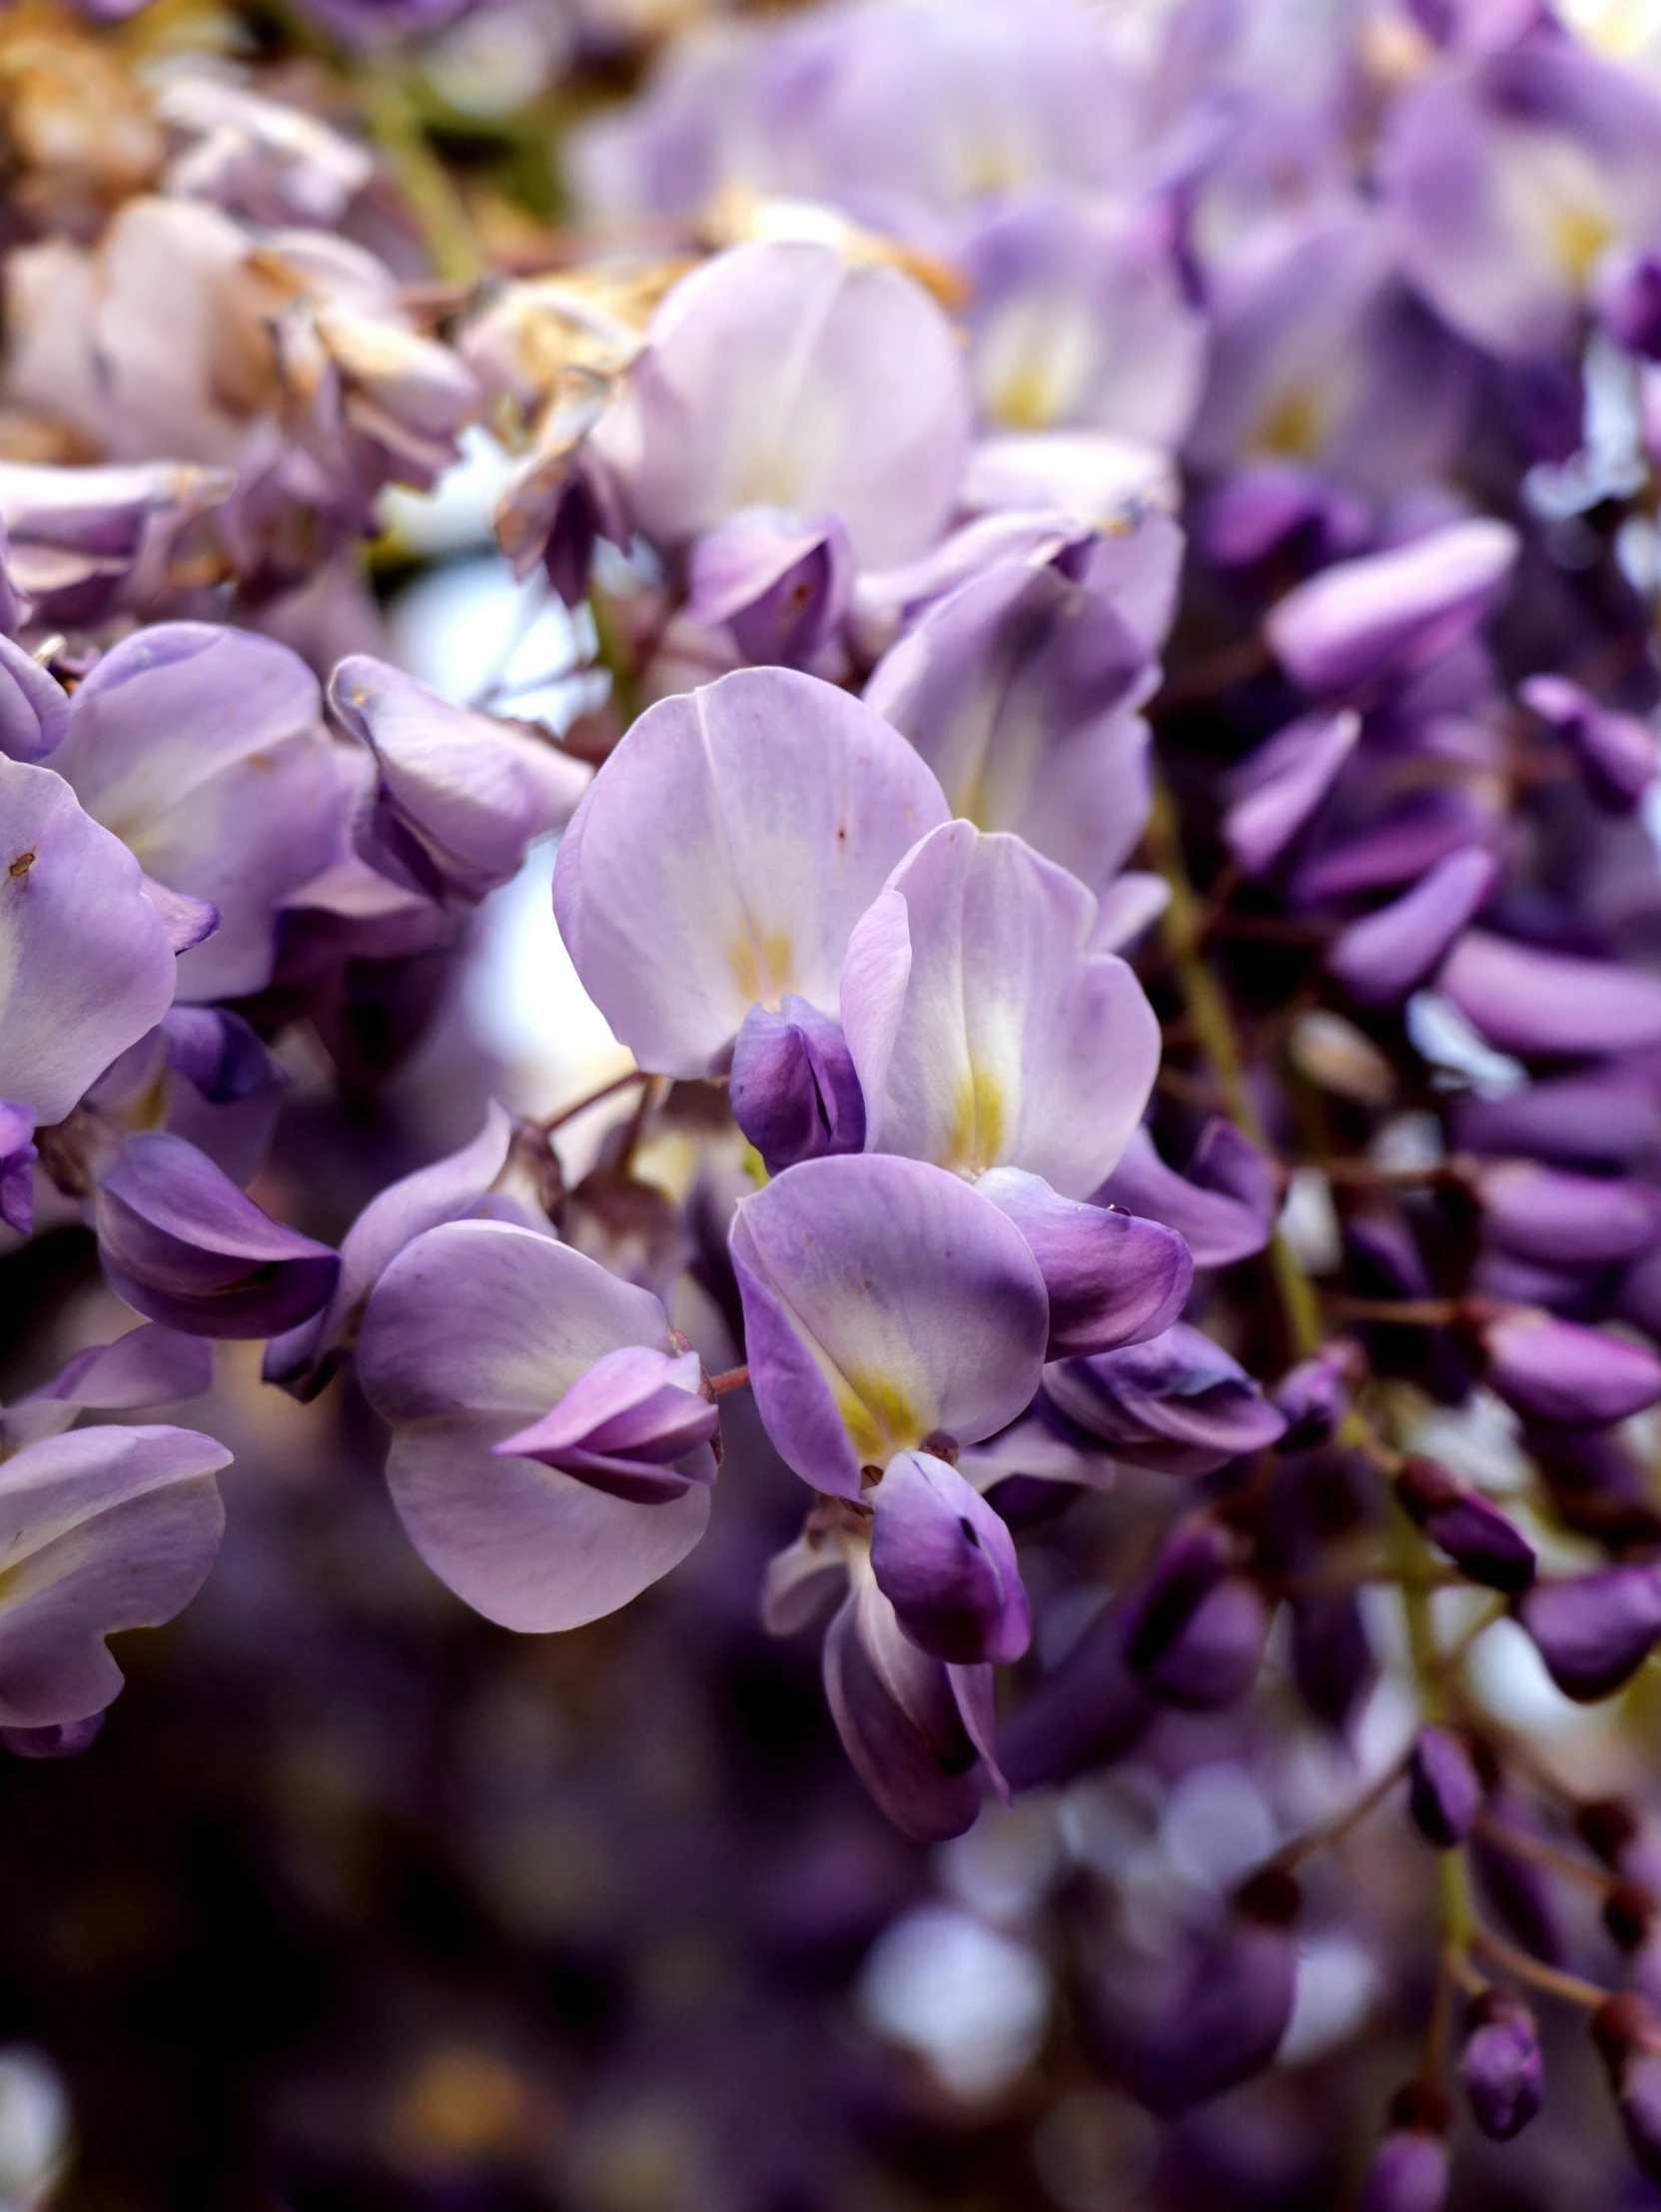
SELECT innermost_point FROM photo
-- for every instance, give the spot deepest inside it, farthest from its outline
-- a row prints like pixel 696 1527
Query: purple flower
pixel 1112 1279
pixel 88 967
pixel 1475 1535
pixel 1594 1631
pixel 1535 1003
pixel 183 1245
pixel 723 853
pixel 1626 293
pixel 1616 753
pixel 1501 2064
pixel 946 1563
pixel 1215 1658
pixel 1565 1220
pixel 1410 2172
pixel 985 1032
pixel 264 160
pixel 1020 690
pixel 203 750
pixel 913 1727
pixel 793 1089
pixel 886 1304
pixel 148 1366
pixel 633 1425
pixel 1314 1395
pixel 1387 953
pixel 471 1334
pixel 455 796
pixel 1224 1207
pixel 82 541
pixel 1198 2024
pixel 1278 790
pixel 1079 316
pixel 1557 1371
pixel 17 1159
pixel 1444 1795
pixel 1510 176
pixel 781 586
pixel 1178 1403
pixel 1390 613
pixel 781 376
pixel 106 1529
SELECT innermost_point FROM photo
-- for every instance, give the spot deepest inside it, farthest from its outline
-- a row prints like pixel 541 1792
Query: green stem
pixel 396 127
pixel 1182 929
pixel 611 655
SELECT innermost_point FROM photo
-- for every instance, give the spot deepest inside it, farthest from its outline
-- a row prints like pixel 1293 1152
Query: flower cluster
pixel 1114 814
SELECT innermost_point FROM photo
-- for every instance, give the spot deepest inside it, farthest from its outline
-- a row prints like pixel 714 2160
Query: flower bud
pixel 183 1245
pixel 1215 1658
pixel 1410 2170
pixel 626 1426
pixel 794 1089
pixel 1314 1396
pixel 1389 952
pixel 1475 1535
pixel 1444 1792
pixel 1332 1656
pixel 1557 1371
pixel 781 586
pixel 1545 1004
pixel 1628 2039
pixel 1178 1403
pixel 1211 2020
pixel 1594 1631
pixel 1391 612
pixel 1190 1564
pixel 17 1159
pixel 1559 1220
pixel 1502 2069
pixel 1279 788
pixel 218 1053
pixel 1626 297
pixel 1616 752
pixel 947 1564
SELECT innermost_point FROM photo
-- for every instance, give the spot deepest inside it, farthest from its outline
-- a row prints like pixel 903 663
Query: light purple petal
pixel 85 964
pixel 1113 1278
pixel 898 1721
pixel 884 1302
pixel 34 707
pixel 1223 1209
pixel 633 1425
pixel 781 376
pixel 104 1529
pixel 458 796
pixel 724 853
pixel 1020 690
pixel 472 1332
pixel 150 1365
pixel 1010 1043
pixel 183 1245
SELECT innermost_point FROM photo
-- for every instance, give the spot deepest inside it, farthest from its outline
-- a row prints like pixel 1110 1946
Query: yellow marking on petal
pixel 764 966
pixel 979 1119
pixel 1578 236
pixel 1293 427
pixel 877 1415
pixel 1027 398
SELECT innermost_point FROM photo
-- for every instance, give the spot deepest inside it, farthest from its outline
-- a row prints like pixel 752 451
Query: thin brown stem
pixel 1420 1314
pixel 1304 1847
pixel 1542 1853
pixel 1570 1987
pixel 595 1098
pixel 735 1378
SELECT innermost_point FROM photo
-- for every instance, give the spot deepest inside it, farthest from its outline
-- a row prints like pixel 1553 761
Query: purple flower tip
pixel 626 1426
pixel 1444 1792
pixel 1502 2067
pixel 794 1089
